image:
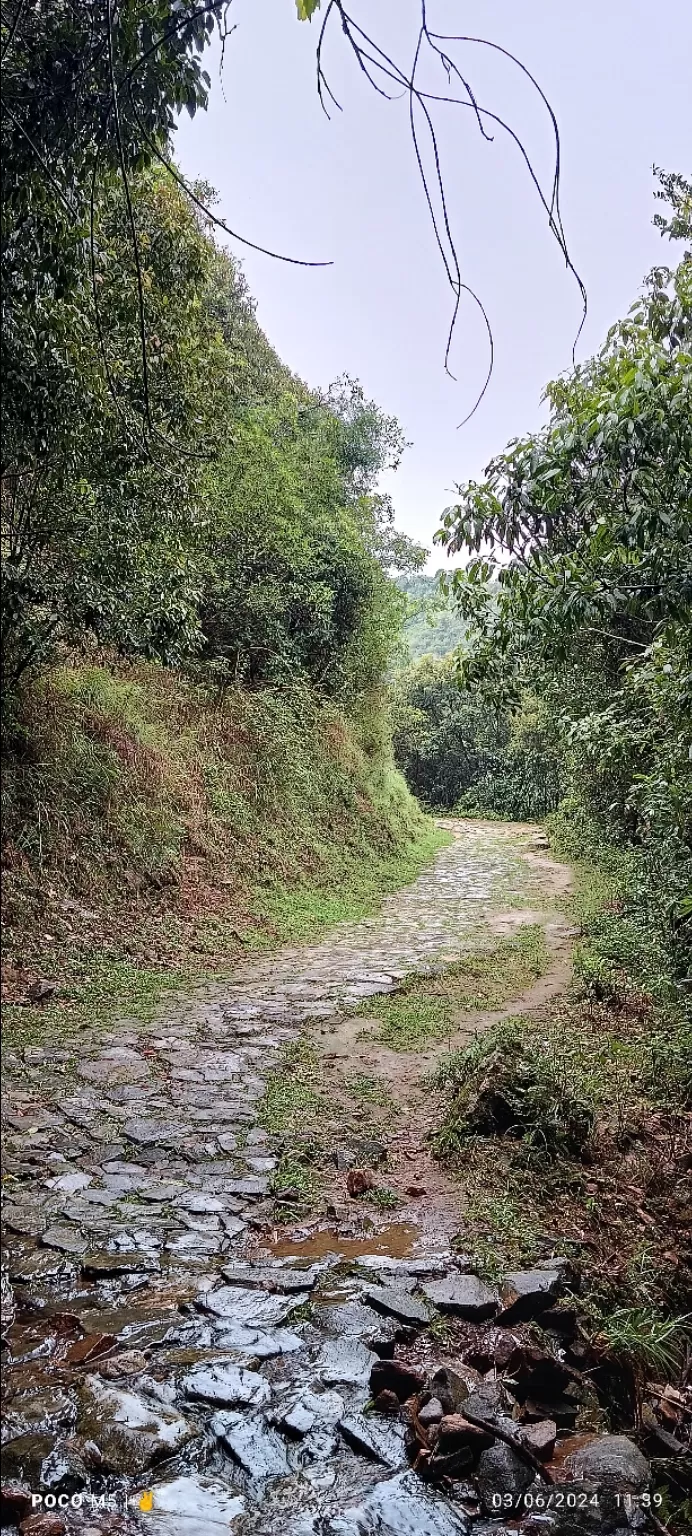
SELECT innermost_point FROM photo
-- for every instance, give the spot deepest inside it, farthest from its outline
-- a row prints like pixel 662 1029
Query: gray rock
pixel 196 1247
pixel 253 1187
pixel 397 1303
pixel 132 1429
pixel 345 1360
pixel 402 1506
pixel 452 1383
pixel 501 1472
pixel 64 1238
pixel 611 1461
pixel 258 1449
pixel 28 1220
pixel 152 1132
pixel 249 1309
pixel 310 1411
pixel 255 1343
pixel 464 1295
pixel 270 1277
pixel 431 1413
pixel 201 1204
pixel 354 1321
pixel 368 1434
pixel 226 1384
pixel 69 1183
pixel 527 1293
pixel 194 1506
pixel 488 1402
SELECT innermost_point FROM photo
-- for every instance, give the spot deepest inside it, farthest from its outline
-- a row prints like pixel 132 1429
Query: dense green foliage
pixel 586 527
pixel 433 626
pixel 168 487
pixel 459 751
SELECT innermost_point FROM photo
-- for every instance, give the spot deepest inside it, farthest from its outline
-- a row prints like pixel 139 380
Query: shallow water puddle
pixel 395 1242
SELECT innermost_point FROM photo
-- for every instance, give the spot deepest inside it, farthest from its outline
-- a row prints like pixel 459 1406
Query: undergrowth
pixel 154 832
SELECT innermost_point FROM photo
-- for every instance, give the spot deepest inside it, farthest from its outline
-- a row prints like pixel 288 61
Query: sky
pixel 347 190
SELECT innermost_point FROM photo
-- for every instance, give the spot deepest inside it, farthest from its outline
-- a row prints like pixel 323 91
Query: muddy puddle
pixel 396 1241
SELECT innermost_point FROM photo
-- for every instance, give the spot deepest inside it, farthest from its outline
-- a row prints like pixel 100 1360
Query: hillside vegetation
pixel 198 604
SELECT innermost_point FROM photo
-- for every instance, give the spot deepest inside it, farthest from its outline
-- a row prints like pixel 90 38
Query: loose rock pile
pixel 315 1401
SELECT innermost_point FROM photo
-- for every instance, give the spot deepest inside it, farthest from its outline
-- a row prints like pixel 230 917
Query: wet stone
pixel 345 1361
pixel 397 1303
pixel 501 1472
pixel 194 1506
pixel 353 1320
pixel 464 1295
pixel 383 1442
pixel 397 1506
pixel 270 1277
pixel 259 1449
pixel 249 1309
pixel 528 1293
pixel 226 1384
pixel 132 1429
pixel 611 1461
pixel 252 1344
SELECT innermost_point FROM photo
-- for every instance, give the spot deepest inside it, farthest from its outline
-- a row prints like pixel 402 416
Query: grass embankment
pixel 575 1122
pixel 154 834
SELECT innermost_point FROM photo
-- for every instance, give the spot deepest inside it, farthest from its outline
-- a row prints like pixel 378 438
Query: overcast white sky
pixel 617 73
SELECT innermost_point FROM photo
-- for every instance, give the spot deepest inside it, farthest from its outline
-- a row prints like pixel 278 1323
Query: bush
pixel 502 1085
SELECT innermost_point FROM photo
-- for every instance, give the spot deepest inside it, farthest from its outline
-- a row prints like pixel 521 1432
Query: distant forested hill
pixel 433 628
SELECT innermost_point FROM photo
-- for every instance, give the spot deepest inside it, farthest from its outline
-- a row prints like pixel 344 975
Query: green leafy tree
pixel 586 527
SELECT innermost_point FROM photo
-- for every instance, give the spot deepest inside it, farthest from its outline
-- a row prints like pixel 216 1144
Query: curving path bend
pixel 135 1174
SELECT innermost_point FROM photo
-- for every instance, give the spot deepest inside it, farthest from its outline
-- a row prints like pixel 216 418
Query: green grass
pixel 428 1008
pixel 110 987
pixel 292 1098
pixel 303 912
pixel 368 1091
pixel 153 835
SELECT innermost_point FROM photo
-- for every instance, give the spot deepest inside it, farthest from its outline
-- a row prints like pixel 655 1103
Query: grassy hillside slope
pixel 154 832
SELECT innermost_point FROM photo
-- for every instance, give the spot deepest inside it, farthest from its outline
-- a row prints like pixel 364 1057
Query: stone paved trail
pixel 152 1353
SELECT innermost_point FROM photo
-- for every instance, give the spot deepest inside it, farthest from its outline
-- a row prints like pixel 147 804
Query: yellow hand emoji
pixel 146 1502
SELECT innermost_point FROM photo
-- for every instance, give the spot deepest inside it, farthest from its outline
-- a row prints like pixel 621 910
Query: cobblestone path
pixel 134 1173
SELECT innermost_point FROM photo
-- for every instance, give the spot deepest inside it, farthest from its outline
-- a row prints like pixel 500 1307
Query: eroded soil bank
pixel 204 1308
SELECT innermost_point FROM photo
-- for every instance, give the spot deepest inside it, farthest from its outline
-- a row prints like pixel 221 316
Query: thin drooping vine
pixel 117 128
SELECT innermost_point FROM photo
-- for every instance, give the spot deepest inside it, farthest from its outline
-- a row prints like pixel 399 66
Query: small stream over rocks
pixel 161 1375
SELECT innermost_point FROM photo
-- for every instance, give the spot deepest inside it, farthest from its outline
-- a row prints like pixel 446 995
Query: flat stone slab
pixel 195 1506
pixel 375 1438
pixel 252 1187
pixel 249 1309
pixel 397 1506
pixel 64 1238
pixel 395 1302
pixel 464 1295
pixel 527 1293
pixel 149 1133
pixel 270 1277
pixel 346 1361
pixel 256 1343
pixel 259 1449
pixel 225 1384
